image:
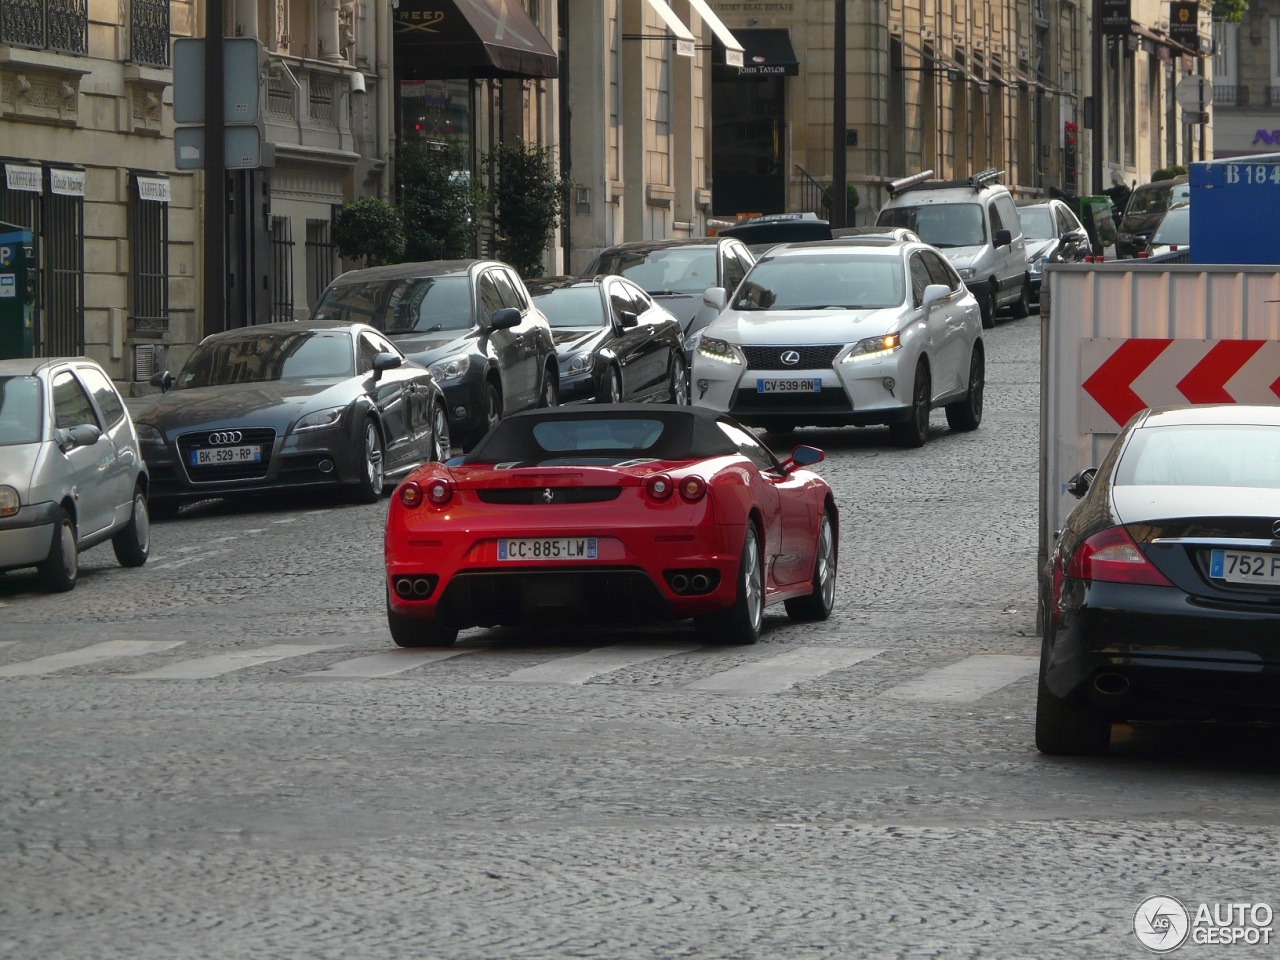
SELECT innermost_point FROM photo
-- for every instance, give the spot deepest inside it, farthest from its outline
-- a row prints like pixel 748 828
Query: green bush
pixel 1168 173
pixel 370 231
pixel 440 202
pixel 529 196
pixel 850 191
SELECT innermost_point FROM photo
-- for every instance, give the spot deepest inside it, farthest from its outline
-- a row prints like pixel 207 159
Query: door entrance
pixel 748 146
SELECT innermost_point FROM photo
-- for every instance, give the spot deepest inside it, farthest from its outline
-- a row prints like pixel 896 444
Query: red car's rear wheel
pixel 818 604
pixel 412 632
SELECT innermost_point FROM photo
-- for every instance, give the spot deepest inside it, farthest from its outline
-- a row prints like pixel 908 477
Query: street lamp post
pixel 839 122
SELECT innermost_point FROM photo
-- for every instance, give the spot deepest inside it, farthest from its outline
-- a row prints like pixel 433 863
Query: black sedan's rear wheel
pixel 1069 729
pixel 369 489
pixel 441 441
pixel 412 632
pixel 819 604
pixel 741 622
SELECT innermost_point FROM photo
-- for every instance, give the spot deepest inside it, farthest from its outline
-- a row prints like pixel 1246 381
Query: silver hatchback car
pixel 71 473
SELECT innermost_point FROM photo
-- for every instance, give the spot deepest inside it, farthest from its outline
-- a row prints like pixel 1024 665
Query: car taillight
pixel 659 487
pixel 1111 556
pixel 410 494
pixel 440 492
pixel 693 489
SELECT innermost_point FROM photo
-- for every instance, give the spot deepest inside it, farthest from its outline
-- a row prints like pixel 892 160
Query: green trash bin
pixel 16 300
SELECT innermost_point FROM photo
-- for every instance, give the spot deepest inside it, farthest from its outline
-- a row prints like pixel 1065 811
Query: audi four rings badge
pixel 223 437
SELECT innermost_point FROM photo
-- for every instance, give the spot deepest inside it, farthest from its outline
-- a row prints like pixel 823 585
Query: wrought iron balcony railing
pixel 61 25
pixel 149 32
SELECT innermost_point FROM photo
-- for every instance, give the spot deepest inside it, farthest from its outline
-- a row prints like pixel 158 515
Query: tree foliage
pixel 1229 11
pixel 530 195
pixel 440 202
pixel 370 231
pixel 1168 173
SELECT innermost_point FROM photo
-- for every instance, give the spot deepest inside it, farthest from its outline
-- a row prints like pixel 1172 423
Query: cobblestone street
pixel 222 754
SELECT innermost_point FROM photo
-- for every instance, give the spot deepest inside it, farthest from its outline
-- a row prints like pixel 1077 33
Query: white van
pixel 974 222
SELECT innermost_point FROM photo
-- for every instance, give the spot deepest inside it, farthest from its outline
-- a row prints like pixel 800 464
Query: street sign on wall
pixel 1116 17
pixel 1120 376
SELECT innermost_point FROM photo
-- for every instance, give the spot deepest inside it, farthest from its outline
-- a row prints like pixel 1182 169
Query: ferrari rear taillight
pixel 1111 556
pixel 440 492
pixel 659 487
pixel 693 489
pixel 411 494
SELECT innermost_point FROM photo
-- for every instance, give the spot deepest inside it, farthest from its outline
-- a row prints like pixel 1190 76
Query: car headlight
pixel 874 347
pixel 722 350
pixel 578 363
pixel 319 419
pixel 966 273
pixel 450 368
pixel 1037 265
pixel 9 501
pixel 149 434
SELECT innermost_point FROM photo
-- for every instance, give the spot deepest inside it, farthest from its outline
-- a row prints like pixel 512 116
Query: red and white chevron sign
pixel 1121 376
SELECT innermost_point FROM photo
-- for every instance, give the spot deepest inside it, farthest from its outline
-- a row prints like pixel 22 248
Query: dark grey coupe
pixel 289 405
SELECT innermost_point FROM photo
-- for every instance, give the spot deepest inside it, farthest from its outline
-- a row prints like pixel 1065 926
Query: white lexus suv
pixel 845 332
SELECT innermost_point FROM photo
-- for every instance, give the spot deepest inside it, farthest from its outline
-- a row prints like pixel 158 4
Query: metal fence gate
pixel 281 269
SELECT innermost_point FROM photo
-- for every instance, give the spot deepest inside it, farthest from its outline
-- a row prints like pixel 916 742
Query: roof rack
pixel 922 181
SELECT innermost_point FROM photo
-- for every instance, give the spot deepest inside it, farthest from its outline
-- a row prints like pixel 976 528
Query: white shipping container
pixel 1117 337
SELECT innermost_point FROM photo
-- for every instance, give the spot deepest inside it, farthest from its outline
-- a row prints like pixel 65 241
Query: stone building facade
pixel 1246 83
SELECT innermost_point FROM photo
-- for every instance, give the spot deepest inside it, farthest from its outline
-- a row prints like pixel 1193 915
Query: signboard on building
pixel 1184 23
pixel 1116 17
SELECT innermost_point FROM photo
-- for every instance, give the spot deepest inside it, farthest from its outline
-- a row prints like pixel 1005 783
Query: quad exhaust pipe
pixel 412 588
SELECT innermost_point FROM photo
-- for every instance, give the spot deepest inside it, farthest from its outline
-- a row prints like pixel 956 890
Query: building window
pixel 148 254
pixel 149 32
pixel 282 269
pixel 61 25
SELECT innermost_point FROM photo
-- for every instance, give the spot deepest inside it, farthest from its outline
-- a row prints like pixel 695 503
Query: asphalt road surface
pixel 223 755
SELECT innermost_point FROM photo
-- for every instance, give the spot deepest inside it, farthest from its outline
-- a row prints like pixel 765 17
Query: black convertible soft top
pixel 614 432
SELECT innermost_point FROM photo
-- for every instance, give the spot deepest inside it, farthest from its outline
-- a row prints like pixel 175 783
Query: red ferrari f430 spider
pixel 616 514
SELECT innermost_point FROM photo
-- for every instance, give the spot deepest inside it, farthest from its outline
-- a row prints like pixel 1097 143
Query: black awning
pixel 459 39
pixel 765 53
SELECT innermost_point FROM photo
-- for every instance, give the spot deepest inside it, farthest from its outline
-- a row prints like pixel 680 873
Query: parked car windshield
pixel 1213 455
pixel 1174 228
pixel 1037 223
pixel 572 307
pixel 665 270
pixel 817 281
pixel 293 356
pixel 941 224
pixel 412 305
pixel 20 410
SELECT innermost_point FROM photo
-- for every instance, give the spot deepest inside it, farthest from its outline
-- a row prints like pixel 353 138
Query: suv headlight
pixel 319 419
pixel 874 347
pixel 451 368
pixel 966 273
pixel 9 501
pixel 1037 265
pixel 148 434
pixel 722 350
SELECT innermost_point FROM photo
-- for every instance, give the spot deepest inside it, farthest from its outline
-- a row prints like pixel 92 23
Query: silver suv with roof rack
pixel 974 222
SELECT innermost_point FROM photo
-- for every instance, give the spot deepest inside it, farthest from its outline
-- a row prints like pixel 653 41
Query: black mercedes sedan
pixel 1161 600
pixel 299 405
pixel 471 322
pixel 614 343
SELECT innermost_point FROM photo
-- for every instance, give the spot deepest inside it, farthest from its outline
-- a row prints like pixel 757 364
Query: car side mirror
pixel 162 380
pixel 1003 237
pixel 933 293
pixel 628 319
pixel 504 319
pixel 384 362
pixel 715 298
pixel 802 456
pixel 81 435
pixel 1079 484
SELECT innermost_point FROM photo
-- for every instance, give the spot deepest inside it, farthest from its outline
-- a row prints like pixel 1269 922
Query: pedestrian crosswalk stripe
pixel 223 663
pixel 968 680
pixel 594 663
pixel 76 658
pixel 775 674
pixel 386 664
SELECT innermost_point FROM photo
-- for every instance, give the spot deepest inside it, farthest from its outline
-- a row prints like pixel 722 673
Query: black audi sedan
pixel 613 341
pixel 471 322
pixel 289 405
pixel 1161 600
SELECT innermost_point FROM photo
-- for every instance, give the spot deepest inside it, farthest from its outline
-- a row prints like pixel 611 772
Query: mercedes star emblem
pixel 790 357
